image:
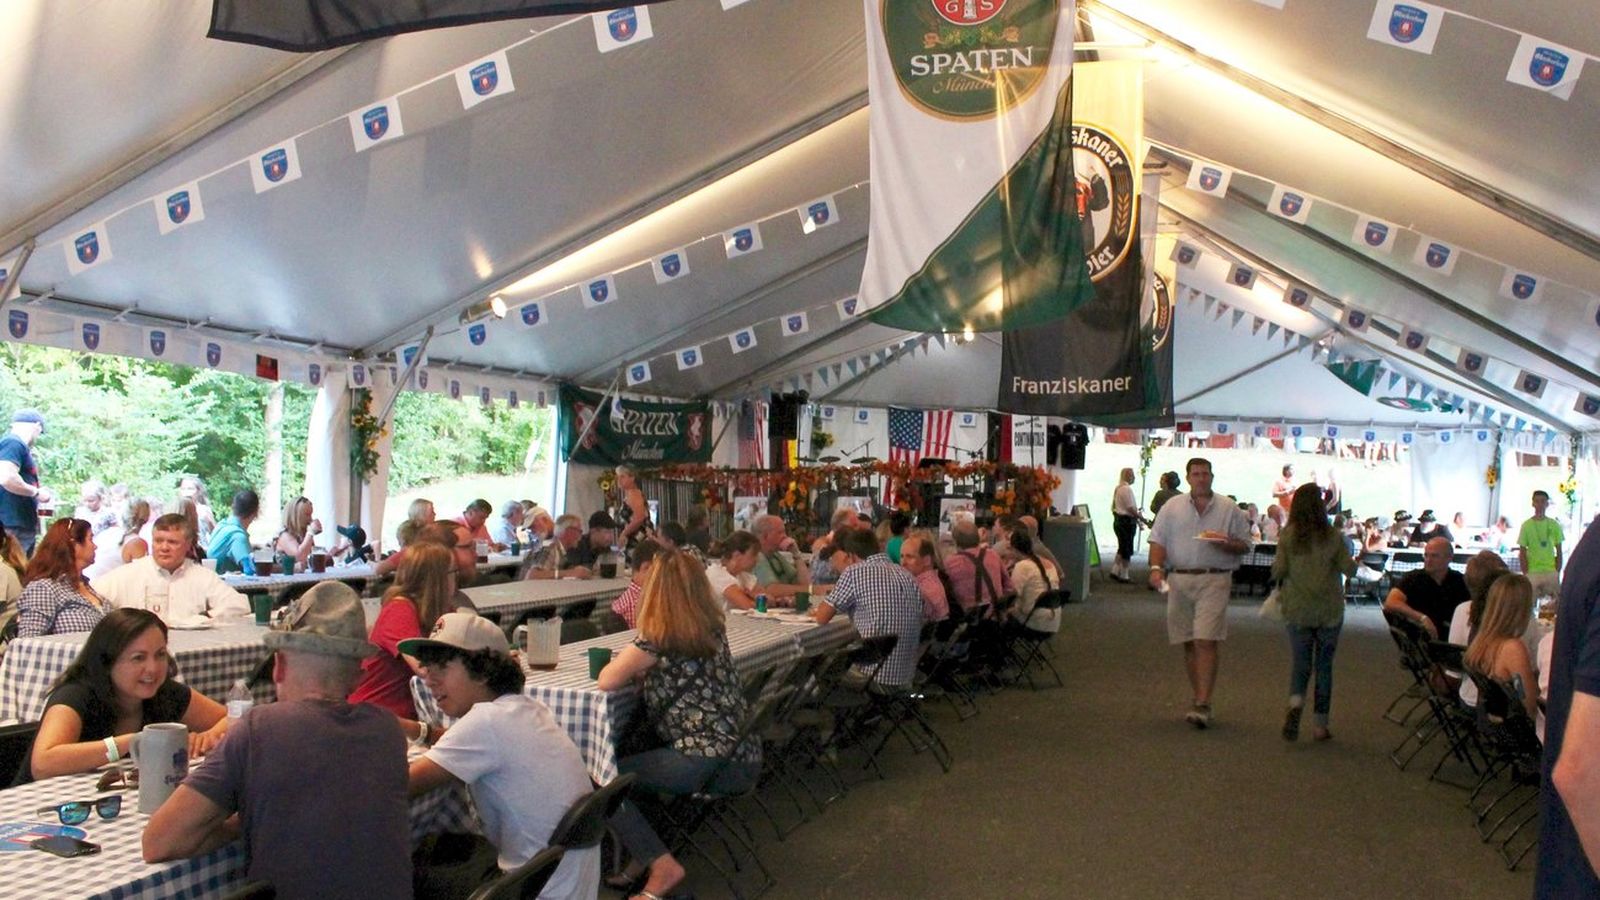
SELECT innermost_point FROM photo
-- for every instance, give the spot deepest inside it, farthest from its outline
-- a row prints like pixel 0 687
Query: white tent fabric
pixel 1454 470
pixel 599 162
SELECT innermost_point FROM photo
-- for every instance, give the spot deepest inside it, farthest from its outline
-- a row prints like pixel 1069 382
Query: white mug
pixel 161 753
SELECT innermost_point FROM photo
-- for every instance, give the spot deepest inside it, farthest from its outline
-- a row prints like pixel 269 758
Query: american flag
pixel 752 435
pixel 914 434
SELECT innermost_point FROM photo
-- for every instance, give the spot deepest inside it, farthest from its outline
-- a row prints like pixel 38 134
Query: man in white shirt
pixel 1195 545
pixel 168 583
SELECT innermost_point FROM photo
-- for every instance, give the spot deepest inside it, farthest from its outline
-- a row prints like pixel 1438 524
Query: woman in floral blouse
pixel 55 597
pixel 693 701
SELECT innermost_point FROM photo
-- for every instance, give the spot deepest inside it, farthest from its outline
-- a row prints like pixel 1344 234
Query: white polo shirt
pixel 1179 522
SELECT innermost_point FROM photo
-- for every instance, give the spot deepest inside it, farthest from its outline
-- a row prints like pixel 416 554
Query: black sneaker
pixel 1291 724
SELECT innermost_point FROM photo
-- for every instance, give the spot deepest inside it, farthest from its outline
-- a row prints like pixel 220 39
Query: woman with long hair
pixel 694 702
pixel 56 599
pixel 422 592
pixel 1483 570
pixel 1498 649
pixel 190 510
pixel 634 513
pixel 134 545
pixel 192 489
pixel 1311 558
pixel 1032 577
pixel 418 516
pixel 121 681
pixel 299 535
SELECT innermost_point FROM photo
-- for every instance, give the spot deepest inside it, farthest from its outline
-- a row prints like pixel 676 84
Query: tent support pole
pixel 1496 199
pixel 13 285
pixel 610 392
pixel 1247 371
pixel 405 378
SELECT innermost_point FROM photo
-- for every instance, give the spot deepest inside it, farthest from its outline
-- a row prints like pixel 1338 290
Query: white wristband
pixel 111 750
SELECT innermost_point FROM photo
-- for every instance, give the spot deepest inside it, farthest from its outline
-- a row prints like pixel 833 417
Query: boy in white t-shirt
pixel 522 768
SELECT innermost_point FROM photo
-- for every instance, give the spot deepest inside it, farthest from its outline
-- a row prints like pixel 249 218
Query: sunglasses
pixel 77 811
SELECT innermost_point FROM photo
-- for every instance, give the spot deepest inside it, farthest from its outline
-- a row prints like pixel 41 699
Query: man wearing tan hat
pixel 521 766
pixel 319 785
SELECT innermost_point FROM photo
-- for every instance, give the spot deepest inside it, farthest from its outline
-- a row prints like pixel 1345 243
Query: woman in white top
pixel 731 579
pixel 1032 577
pixel 12 566
pixel 191 488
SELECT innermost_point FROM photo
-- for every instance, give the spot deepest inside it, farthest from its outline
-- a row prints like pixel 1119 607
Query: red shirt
pixel 481 533
pixel 627 603
pixel 385 677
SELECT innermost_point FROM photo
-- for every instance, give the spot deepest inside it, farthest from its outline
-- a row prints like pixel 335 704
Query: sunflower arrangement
pixel 365 433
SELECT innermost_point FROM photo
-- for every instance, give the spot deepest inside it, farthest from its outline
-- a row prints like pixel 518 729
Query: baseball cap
pixel 460 630
pixel 28 415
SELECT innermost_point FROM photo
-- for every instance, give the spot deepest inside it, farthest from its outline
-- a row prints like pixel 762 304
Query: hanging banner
pixel 1089 361
pixel 984 233
pixel 304 27
pixel 643 433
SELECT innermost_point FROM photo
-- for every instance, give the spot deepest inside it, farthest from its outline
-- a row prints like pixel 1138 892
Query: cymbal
pixel 863 460
pixel 828 459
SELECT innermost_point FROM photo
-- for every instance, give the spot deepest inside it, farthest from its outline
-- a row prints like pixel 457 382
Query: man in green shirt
pixel 776 570
pixel 1539 547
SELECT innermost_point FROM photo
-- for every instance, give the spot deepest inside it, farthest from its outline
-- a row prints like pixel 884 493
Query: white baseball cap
pixel 462 630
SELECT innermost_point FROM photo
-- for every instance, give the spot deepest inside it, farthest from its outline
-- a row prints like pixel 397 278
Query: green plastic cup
pixel 599 658
pixel 261 605
pixel 802 601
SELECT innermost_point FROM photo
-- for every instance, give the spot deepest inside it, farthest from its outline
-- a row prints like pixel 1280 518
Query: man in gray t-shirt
pixel 319 784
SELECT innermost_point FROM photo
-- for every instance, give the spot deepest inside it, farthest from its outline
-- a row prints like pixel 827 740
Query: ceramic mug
pixel 161 753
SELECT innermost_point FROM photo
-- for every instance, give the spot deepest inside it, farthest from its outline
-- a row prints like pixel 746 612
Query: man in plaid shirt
pixel 880 598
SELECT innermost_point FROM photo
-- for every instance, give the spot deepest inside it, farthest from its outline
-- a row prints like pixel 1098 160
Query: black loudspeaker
pixel 1068 445
pixel 783 417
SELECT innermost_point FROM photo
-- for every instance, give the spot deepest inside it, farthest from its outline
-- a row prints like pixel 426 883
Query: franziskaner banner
pixel 974 217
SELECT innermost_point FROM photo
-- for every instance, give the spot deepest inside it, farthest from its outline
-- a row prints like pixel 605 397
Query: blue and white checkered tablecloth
pixel 361 576
pixel 811 638
pixel 592 716
pixel 118 871
pixel 209 660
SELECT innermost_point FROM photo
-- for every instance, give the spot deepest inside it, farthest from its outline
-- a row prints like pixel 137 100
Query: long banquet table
pixel 361 576
pixel 209 660
pixel 509 601
pixel 119 872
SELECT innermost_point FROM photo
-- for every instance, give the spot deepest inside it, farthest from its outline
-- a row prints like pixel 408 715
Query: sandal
pixel 628 885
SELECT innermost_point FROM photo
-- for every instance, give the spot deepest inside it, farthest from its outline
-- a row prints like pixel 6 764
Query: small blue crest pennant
pixel 530 314
pixel 455 389
pixel 1376 234
pixel 375 122
pixel 744 239
pixel 1369 436
pixel 1210 177
pixel 1438 255
pixel 484 396
pixel 314 374
pixel 477 333
pixel 1522 285
pixel 87 247
pixel 158 342
pixel 1407 23
pixel 512 400
pixel 91 336
pixel 178 207
pixel 622 23
pixel 1548 66
pixel 422 379
pixel 818 213
pixel 1290 203
pixel 213 354
pixel 275 164
pixel 599 291
pixel 672 264
pixel 17 323
pixel 358 375
pixel 485 77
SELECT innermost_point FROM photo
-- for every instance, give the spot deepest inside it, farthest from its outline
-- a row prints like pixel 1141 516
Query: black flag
pixel 307 25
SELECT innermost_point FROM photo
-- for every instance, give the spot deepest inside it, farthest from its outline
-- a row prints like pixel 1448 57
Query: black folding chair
pixel 1515 751
pixel 1438 695
pixel 1028 644
pixel 16 743
pixel 525 881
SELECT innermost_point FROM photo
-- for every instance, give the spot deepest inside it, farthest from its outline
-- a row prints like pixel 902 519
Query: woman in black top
pixel 120 682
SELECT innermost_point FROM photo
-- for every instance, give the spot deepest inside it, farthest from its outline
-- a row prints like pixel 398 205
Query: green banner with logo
pixel 975 220
pixel 596 430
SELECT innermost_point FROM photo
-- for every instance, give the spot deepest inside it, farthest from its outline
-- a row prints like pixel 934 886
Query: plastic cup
pixel 261 605
pixel 599 658
pixel 761 603
pixel 608 570
pixel 802 601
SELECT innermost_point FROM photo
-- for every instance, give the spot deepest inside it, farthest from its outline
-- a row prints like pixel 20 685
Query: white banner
pixel 923 62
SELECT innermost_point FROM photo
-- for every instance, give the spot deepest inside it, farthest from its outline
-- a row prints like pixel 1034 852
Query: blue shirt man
pixel 230 543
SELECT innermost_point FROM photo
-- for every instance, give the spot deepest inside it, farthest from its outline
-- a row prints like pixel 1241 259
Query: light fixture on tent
pixel 967 334
pixel 483 309
pixel 497 305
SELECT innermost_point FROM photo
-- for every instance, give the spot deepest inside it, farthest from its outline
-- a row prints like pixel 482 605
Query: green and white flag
pixel 975 219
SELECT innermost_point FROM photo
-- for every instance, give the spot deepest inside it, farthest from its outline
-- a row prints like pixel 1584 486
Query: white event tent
pixel 597 163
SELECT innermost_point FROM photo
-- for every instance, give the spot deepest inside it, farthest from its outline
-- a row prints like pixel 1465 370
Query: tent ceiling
pixel 599 161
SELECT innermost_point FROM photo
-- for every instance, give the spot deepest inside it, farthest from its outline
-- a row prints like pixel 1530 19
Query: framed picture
pixel 952 509
pixel 746 510
pixel 862 505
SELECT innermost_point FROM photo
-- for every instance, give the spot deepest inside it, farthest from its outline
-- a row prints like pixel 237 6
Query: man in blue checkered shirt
pixel 880 598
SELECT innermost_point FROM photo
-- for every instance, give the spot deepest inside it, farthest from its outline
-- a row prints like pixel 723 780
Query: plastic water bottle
pixel 239 700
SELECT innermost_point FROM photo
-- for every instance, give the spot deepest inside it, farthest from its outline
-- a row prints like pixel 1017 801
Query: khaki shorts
pixel 1197 607
pixel 1545 583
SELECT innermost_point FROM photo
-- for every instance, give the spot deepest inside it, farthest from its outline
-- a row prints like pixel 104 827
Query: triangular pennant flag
pixel 1272 330
pixel 178 208
pixel 487 78
pixel 1394 379
pixel 851 364
pixel 1519 423
pixel 1505 419
pixel 823 374
pixel 1210 302
pixel 837 370
pixel 1238 315
pixel 275 166
pixel 1411 386
pixel 1255 325
pixel 372 125
pixel 1288 336
pixel 622 27
pixel 1472 409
